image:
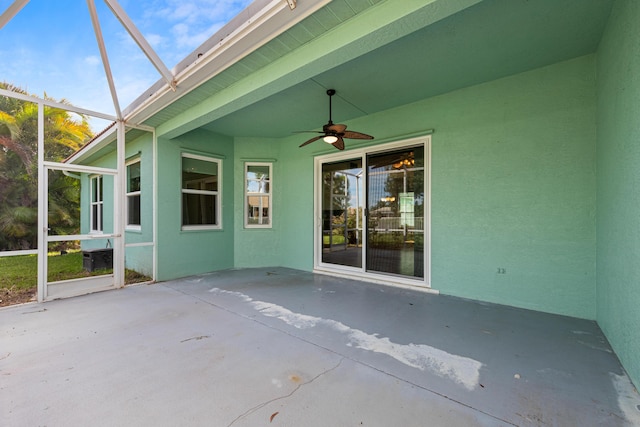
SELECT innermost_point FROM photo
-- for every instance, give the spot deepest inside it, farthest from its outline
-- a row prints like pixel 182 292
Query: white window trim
pixel 217 194
pixel 100 203
pixel 133 227
pixel 247 194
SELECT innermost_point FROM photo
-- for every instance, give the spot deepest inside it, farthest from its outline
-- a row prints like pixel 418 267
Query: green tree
pixel 64 134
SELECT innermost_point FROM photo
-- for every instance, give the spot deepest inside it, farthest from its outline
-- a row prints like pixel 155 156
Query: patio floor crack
pixel 343 357
pixel 275 399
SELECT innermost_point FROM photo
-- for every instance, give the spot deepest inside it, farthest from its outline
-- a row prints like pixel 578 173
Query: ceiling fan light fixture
pixel 330 139
pixel 334 133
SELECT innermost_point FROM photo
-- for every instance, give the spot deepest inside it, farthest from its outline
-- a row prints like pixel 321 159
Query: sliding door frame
pixel 361 272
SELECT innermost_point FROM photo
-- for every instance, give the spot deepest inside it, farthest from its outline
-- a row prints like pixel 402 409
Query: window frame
pixel 93 181
pixel 217 194
pixel 130 194
pixel 268 194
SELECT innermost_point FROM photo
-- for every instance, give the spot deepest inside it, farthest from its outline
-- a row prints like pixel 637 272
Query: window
pixel 96 204
pixel 258 195
pixel 201 192
pixel 133 194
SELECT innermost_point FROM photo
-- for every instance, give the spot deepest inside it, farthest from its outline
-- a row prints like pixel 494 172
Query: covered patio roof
pixel 283 347
pixel 377 55
pixel 380 55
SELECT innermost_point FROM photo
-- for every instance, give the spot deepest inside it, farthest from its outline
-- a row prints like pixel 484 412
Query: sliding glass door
pixel 342 208
pixel 395 212
pixel 371 207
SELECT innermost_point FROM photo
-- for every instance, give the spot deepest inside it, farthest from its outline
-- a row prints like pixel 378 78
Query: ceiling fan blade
pixel 315 138
pixel 337 128
pixel 356 135
pixel 331 130
pixel 339 144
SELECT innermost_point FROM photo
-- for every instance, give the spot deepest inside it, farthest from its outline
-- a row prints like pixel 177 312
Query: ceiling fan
pixel 334 133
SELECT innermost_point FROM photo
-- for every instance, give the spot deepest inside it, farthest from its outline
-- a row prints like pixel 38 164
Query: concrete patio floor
pixel 261 347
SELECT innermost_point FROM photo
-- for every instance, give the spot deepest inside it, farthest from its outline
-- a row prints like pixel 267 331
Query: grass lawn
pixel 18 274
pixel 337 239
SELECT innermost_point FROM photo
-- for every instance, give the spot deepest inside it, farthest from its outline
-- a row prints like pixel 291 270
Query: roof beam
pixel 53 104
pixel 11 11
pixel 124 19
pixel 103 53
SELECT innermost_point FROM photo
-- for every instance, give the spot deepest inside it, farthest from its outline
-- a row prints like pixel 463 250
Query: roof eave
pixel 104 138
pixel 259 23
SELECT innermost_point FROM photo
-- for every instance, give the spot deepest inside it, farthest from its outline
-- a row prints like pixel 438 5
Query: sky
pixel 50 46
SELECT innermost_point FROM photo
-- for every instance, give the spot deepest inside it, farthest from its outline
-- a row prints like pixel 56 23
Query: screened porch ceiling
pixel 489 40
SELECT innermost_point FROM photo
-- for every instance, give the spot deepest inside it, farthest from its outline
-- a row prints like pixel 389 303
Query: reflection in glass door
pixel 395 212
pixel 342 206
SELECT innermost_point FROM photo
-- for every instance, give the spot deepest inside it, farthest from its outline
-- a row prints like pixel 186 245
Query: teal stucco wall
pixel 513 187
pixel 297 173
pixel 618 248
pixel 258 247
pixel 189 252
pixel 139 258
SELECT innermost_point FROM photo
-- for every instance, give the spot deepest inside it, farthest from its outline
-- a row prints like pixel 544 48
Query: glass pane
pixel 133 181
pixel 95 218
pixel 258 210
pixel 199 174
pixel 205 167
pixel 257 172
pixel 395 222
pixel 133 210
pixel 198 209
pixel 342 213
pixel 265 216
pixel 258 179
pixel 94 189
pixel 258 186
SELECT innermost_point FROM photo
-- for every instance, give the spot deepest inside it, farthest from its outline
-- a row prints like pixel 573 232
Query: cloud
pixel 92 60
pixel 197 11
pixel 156 40
pixel 190 22
pixel 187 39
